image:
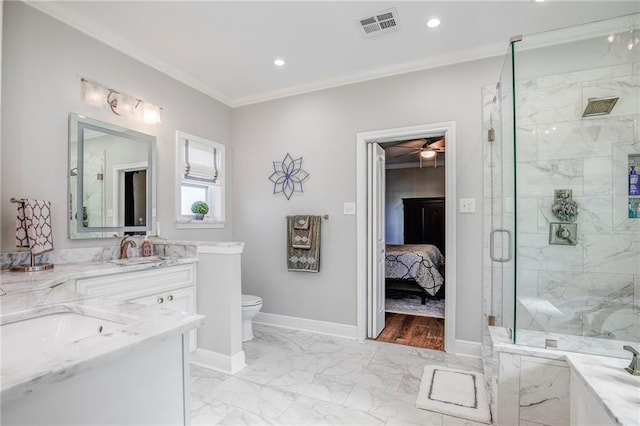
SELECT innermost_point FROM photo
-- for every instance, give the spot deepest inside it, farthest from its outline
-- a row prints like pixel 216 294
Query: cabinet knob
pixel 170 297
pixel 160 300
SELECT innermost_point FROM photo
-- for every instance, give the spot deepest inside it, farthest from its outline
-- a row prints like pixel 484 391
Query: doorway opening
pixel 414 218
pixel 372 150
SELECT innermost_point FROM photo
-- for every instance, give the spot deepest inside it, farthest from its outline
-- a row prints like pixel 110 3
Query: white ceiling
pixel 226 49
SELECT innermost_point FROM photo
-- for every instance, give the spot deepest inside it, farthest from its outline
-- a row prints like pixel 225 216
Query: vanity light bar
pixel 97 95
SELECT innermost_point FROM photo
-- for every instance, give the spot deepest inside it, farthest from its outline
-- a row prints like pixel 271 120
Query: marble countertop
pixel 18 282
pixel 616 389
pixel 35 294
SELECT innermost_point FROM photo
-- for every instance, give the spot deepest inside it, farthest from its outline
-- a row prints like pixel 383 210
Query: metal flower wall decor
pixel 287 176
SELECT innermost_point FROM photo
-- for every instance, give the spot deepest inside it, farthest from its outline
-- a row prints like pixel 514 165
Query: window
pixel 200 177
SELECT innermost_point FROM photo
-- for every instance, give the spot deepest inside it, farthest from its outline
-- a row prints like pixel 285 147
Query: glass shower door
pixel 502 200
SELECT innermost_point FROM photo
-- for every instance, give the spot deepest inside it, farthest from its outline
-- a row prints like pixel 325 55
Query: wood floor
pixel 413 330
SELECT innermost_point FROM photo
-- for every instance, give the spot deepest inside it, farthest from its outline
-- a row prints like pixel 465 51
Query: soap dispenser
pixel 634 187
pixel 145 247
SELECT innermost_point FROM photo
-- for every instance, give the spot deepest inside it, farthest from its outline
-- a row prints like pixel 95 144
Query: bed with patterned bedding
pixel 414 263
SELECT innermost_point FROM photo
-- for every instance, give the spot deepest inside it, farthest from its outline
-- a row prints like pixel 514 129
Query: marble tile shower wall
pixel 593 288
pixel 94 188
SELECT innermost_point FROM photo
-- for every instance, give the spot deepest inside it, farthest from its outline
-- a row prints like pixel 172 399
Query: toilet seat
pixel 250 300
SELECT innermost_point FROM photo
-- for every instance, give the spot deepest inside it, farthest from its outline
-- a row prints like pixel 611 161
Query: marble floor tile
pixel 386 404
pixel 204 380
pixel 294 377
pixel 243 417
pixel 325 388
pixel 204 412
pixel 398 422
pixel 308 411
pixel 261 400
pixel 456 421
pixel 357 372
pixel 410 384
pixel 277 362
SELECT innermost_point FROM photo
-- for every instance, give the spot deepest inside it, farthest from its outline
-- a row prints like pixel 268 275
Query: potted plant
pixel 199 208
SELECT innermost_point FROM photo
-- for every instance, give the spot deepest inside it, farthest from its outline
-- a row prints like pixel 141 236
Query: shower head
pixel 599 106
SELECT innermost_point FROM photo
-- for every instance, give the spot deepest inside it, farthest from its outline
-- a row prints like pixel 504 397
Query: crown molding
pixel 390 71
pixel 531 41
pixel 112 40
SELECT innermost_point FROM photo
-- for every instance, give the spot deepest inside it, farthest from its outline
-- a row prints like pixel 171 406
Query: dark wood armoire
pixel 424 221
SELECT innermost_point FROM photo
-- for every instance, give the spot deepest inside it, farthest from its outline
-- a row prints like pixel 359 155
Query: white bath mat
pixel 454 392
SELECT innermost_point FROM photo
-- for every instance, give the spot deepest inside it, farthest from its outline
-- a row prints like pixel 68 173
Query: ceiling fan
pixel 426 148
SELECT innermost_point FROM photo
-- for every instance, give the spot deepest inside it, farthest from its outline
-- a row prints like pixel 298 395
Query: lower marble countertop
pixel 615 388
pixel 40 366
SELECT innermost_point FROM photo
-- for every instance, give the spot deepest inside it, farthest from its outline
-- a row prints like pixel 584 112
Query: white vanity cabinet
pixel 170 287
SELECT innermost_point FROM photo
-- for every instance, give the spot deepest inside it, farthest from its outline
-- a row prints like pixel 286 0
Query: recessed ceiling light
pixel 279 62
pixel 539 1
pixel 432 23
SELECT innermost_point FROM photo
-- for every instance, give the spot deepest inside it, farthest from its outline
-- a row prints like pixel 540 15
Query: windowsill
pixel 199 224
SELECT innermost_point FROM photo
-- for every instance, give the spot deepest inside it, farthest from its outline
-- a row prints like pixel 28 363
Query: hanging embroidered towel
pixel 33 226
pixel 301 222
pixel 301 237
pixel 304 257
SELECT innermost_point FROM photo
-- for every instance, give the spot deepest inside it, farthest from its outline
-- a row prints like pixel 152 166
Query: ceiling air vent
pixel 381 23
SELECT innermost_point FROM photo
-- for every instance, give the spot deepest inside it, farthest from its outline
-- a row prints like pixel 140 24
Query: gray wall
pixel 43 61
pixel 321 127
pixel 413 182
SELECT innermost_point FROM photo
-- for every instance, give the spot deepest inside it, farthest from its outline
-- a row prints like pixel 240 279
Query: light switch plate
pixel 350 208
pixel 467 205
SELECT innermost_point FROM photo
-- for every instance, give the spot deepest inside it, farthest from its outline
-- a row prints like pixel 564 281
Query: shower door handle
pixel 491 246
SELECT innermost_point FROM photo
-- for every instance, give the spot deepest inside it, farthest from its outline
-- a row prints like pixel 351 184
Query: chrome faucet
pixel 124 246
pixel 633 368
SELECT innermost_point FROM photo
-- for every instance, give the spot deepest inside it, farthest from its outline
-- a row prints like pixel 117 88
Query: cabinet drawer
pixel 133 285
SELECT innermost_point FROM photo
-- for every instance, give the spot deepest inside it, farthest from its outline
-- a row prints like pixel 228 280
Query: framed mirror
pixel 111 176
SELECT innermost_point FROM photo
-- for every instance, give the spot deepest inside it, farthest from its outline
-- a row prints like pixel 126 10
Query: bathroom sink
pixel 44 332
pixel 136 260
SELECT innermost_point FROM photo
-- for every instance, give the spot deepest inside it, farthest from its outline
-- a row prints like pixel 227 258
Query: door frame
pixel 362 280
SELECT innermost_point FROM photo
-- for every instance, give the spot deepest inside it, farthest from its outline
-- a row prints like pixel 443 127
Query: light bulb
pixel 279 62
pixel 151 113
pixel 126 105
pixel 427 154
pixel 93 94
pixel 432 23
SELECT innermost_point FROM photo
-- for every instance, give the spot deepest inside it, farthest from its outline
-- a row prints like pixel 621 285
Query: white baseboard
pixel 468 349
pixel 217 361
pixel 303 324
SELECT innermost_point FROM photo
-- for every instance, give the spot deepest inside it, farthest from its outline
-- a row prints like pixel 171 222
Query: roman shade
pixel 200 161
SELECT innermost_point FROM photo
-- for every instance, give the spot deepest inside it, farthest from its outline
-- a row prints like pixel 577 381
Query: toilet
pixel 251 305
